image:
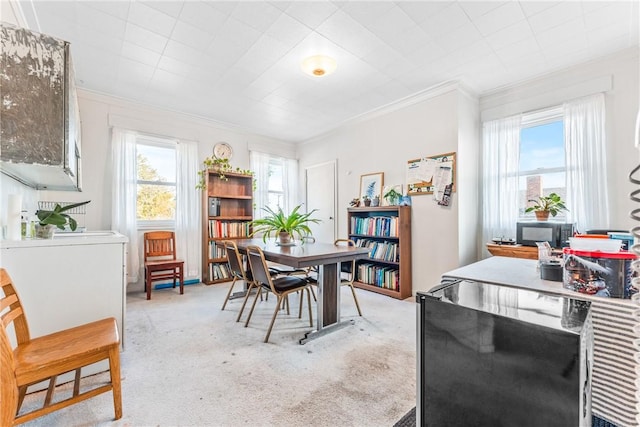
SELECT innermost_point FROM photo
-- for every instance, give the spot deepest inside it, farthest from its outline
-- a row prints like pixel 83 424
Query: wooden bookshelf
pixel 387 231
pixel 229 220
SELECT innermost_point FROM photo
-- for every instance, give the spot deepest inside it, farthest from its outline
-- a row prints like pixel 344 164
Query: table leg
pixel 328 313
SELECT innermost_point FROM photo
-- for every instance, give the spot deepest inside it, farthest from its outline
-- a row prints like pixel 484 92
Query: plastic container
pixel 594 244
pixel 599 273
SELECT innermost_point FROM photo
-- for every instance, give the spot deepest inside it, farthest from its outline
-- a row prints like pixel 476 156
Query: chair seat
pixel 64 351
pixel 287 283
pixel 164 264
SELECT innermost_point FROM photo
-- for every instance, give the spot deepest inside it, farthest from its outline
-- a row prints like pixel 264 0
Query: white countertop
pixel 520 273
pixel 68 239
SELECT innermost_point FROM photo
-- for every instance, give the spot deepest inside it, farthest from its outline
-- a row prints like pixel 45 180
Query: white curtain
pixel 124 187
pixel 260 168
pixel 586 162
pixel 501 156
pixel 188 200
pixel 290 184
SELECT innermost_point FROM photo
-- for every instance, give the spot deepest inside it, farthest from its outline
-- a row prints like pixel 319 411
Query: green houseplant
pixel 545 205
pixel 282 225
pixel 222 166
pixel 49 219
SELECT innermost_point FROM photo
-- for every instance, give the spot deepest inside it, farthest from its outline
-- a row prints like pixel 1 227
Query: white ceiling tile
pixel 270 47
pixel 203 16
pixel 555 36
pixel 590 6
pixel 513 53
pixel 446 21
pixel 614 13
pixel 130 70
pixel 348 34
pixel 238 33
pixel 475 9
pixel 407 39
pixel 172 65
pixel 554 16
pixel 151 19
pixel 288 30
pixel 512 34
pixel 145 38
pixel 226 7
pixel 499 18
pixel 140 54
pixel 366 12
pixel 119 9
pixel 171 8
pixel 427 53
pixel 459 38
pixel 257 15
pixel 605 35
pixel 419 11
pixel 182 52
pixel 192 36
pixel 100 22
pixel 165 81
pixel 569 44
pixel 99 43
pixel 312 13
pixel 530 8
pixel 387 25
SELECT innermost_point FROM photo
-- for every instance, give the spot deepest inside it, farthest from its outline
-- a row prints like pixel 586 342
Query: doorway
pixel 321 192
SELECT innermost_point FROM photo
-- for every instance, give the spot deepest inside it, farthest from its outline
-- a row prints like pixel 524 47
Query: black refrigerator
pixel 491 355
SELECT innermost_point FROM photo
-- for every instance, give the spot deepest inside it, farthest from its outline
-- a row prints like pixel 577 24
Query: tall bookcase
pixel 387 231
pixel 227 209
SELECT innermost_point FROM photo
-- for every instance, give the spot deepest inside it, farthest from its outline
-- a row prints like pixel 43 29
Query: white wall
pixel 99 113
pixel 621 103
pixel 384 144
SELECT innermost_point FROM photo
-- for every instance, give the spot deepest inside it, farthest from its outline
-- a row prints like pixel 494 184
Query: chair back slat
pixel 11 311
pixel 259 267
pixel 349 266
pixel 8 382
pixel 234 259
pixel 159 245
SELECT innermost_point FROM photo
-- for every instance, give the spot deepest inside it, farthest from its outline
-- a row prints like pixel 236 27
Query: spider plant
pixel 296 223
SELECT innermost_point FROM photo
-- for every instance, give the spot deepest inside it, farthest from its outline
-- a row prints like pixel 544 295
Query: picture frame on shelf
pixel 371 185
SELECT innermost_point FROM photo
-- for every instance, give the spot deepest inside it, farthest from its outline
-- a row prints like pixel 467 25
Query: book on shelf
pixel 379 226
pixel 216 251
pixel 219 271
pixel 383 251
pixel 380 276
pixel 223 229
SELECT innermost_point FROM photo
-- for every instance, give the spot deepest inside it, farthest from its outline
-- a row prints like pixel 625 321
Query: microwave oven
pixel 556 233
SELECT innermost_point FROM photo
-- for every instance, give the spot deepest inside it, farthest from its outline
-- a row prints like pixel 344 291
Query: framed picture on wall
pixel 371 185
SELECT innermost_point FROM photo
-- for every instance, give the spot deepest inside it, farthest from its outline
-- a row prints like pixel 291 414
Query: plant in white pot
pixel 282 225
pixel 48 220
pixel 547 205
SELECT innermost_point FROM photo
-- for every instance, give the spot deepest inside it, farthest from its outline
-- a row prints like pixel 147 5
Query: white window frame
pixel 141 139
pixel 539 118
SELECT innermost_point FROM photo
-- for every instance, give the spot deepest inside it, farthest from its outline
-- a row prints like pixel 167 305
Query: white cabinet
pixel 69 280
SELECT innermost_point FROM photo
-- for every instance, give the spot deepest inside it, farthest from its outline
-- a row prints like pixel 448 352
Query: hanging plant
pixel 222 166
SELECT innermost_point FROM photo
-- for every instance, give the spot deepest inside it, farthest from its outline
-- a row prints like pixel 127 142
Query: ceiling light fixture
pixel 319 65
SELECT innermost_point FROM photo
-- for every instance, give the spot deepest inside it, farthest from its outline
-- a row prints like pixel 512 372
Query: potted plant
pixel 222 166
pixel 282 225
pixel 545 205
pixel 49 219
pixel 392 196
pixel 366 200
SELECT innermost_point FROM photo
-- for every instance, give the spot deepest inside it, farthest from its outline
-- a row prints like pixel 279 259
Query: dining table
pixel 327 258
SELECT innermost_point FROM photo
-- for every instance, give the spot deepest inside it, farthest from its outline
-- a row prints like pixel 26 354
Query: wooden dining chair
pixel 348 271
pixel 160 262
pixel 33 360
pixel 280 286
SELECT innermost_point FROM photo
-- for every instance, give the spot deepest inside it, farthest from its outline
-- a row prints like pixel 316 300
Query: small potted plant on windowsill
pixel 547 205
pixel 48 220
pixel 284 226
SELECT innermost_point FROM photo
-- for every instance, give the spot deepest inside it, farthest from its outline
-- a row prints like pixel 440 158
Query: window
pixel 276 179
pixel 541 168
pixel 156 180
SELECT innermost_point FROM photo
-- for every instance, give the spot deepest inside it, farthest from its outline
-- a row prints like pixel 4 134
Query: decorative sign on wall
pixel 431 175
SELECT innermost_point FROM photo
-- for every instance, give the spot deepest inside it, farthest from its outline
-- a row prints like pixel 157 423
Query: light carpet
pixel 188 363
